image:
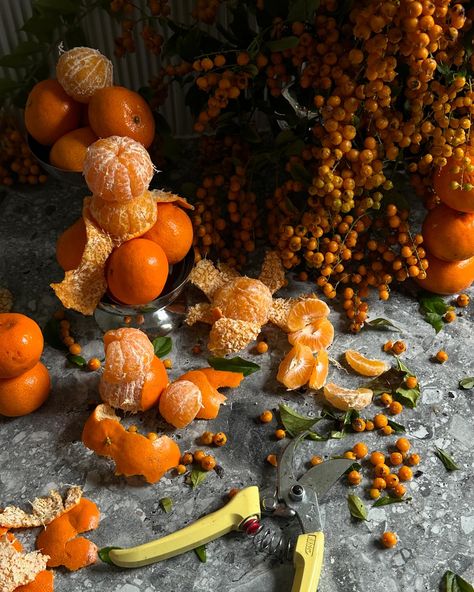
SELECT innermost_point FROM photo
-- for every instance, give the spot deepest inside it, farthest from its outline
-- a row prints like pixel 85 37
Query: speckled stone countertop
pixel 43 450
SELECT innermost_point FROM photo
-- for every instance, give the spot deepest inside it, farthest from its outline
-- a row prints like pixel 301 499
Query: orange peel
pixel 17 568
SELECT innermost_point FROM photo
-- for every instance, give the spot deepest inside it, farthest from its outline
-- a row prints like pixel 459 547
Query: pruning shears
pixel 292 498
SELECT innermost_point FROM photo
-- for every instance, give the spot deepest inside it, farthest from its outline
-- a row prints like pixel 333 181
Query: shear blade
pixel 322 477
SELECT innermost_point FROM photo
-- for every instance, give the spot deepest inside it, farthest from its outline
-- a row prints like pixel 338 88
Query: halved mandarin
pixel 180 402
pixel 344 399
pixel 296 367
pixel 306 311
pixel 320 370
pixel 365 366
pixel 317 335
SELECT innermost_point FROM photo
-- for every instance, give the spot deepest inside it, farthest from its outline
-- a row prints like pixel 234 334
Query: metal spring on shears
pixel 268 540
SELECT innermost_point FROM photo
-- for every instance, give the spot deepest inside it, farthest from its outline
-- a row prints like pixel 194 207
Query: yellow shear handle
pixel 243 505
pixel 308 561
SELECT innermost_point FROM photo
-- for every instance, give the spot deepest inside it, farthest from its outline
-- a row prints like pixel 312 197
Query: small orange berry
pixel 208 462
pixel 280 434
pixel 441 357
pixel 391 480
pixel 396 458
pixel 463 300
pixel 380 420
pixel 152 436
pixel 93 364
pixel 315 460
pixel 387 346
pixel 167 363
pixel 374 493
pixel 369 425
pixel 376 458
pixel 187 458
pixel 266 416
pixel 354 477
pixel 450 316
pixel 181 469
pixel 389 539
pixel 399 347
pixel 405 473
pixel 395 408
pixel 68 341
pixel 349 454
pixel 379 483
pixel 399 490
pixel 59 314
pixel 403 445
pixel 386 399
pixel 387 430
pixel 133 429
pixel 360 450
pixel 219 439
pixel 262 347
pixel 382 470
pixel 359 424
pixel 206 438
pixel 198 455
pixel 413 459
pixel 65 324
pixel 411 382
pixel 75 349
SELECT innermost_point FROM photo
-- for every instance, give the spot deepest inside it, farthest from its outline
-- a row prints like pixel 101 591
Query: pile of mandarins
pixel 448 228
pixel 24 380
pixel 82 104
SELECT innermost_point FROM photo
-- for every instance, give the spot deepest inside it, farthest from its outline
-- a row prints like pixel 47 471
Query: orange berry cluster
pixel 206 11
pixel 74 348
pixel 17 164
pixel 205 461
pixel 385 476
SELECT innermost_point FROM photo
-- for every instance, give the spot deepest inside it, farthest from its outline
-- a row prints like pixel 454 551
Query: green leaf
pixel 435 320
pixel 104 554
pixel 467 383
pixel 162 346
pixel 236 364
pixel 383 324
pixel 61 6
pixel 397 427
pixel 356 507
pixel 302 10
pixel 201 553
pixel 389 381
pixel 401 366
pixel 446 459
pixel 386 500
pixel 293 422
pixel 451 582
pixel 283 43
pixel 197 476
pixel 77 360
pixel 407 397
pixel 433 308
pixel 167 504
pixel 52 334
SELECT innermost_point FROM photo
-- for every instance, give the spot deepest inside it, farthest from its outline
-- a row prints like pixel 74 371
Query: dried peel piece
pixel 44 582
pixel 18 569
pixel 206 277
pixel 45 510
pixel 228 273
pixel 60 542
pixel 231 335
pixel 124 220
pixel 273 272
pixel 132 453
pixel 161 196
pixel 200 313
pixel 82 288
pixel 6 300
pixel 279 312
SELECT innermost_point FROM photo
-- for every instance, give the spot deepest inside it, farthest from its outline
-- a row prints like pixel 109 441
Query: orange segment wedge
pixel 317 335
pixel 212 399
pixel 306 311
pixel 344 399
pixel 320 371
pixel 365 366
pixel 296 367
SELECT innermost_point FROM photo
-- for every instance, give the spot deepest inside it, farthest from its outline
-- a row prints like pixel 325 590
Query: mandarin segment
pixel 296 367
pixel 363 365
pixel 117 168
pixel 180 402
pixel 306 311
pixel 317 335
pixel 81 71
pixel 344 399
pixel 124 221
pixel 320 370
